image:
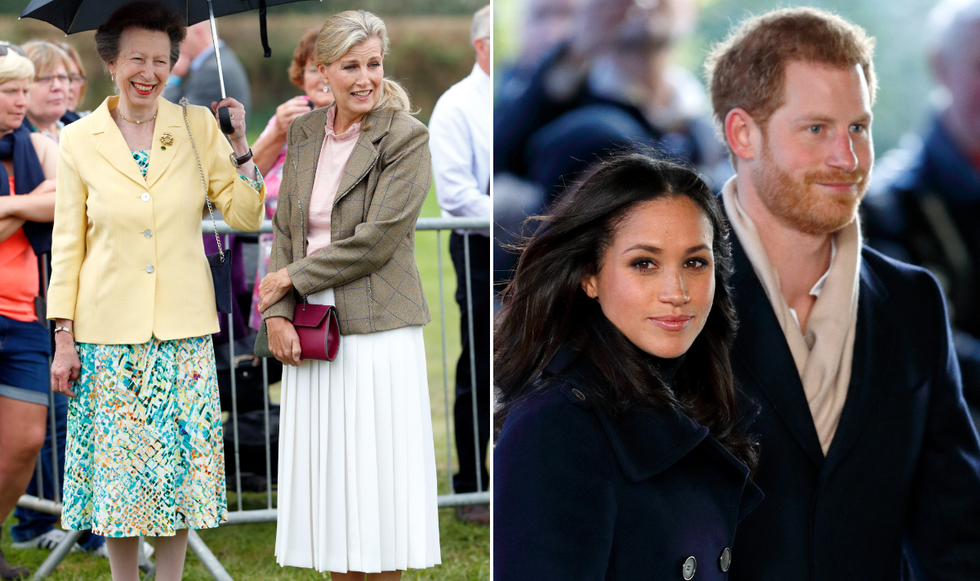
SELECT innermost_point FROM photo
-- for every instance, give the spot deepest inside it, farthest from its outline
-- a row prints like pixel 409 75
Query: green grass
pixel 247 551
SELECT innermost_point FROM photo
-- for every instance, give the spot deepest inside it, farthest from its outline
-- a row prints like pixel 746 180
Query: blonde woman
pixel 357 480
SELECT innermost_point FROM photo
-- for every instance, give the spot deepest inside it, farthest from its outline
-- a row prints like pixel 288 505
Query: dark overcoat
pixel 579 495
pixel 904 463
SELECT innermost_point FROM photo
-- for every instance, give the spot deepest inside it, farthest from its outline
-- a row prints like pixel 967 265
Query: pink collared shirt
pixel 334 154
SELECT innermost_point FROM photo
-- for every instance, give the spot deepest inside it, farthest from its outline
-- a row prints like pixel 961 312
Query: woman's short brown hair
pixel 148 15
pixel 747 70
pixel 302 57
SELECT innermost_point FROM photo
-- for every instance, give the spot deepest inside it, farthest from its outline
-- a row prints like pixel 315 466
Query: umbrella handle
pixel 224 119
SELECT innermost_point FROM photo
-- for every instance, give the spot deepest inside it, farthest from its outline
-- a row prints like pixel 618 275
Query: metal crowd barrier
pixel 241 516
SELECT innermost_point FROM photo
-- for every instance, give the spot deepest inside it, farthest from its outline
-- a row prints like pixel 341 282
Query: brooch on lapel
pixel 166 139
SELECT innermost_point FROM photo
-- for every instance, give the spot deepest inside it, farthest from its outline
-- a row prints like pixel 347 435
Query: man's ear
pixel 740 133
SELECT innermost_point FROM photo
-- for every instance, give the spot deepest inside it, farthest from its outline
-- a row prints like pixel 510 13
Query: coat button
pixel 149 269
pixel 688 569
pixel 148 233
pixel 725 560
pixel 578 394
pixel 145 197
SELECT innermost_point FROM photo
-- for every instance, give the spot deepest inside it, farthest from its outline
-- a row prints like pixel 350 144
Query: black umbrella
pixel 79 15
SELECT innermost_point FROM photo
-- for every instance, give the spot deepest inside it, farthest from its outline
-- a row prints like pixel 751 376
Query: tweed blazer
pixel 127 255
pixel 370 261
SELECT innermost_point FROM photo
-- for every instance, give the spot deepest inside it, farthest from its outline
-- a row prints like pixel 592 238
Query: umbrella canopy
pixel 79 15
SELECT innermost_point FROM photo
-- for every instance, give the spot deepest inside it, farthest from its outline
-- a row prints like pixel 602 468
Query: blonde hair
pixel 343 31
pixel 46 56
pixel 14 67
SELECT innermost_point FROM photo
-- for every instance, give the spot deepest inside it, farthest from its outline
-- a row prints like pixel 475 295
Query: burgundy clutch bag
pixel 318 329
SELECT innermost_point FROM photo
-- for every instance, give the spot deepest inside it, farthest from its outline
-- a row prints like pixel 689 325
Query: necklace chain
pixel 136 122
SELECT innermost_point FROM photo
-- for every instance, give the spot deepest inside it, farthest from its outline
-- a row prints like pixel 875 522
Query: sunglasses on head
pixel 5 48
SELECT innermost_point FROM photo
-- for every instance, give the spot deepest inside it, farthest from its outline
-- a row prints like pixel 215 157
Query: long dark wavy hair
pixel 544 306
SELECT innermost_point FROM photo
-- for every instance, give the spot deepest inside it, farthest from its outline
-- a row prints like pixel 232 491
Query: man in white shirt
pixel 461 137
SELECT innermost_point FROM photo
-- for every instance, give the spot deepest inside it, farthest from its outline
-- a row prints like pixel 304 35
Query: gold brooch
pixel 166 139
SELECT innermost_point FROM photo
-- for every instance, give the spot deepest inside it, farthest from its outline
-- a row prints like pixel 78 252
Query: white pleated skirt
pixel 357 470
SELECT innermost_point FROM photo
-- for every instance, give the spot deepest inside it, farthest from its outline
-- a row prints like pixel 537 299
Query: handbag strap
pixel 183 103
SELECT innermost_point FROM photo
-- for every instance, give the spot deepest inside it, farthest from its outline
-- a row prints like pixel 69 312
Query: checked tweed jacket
pixel 370 261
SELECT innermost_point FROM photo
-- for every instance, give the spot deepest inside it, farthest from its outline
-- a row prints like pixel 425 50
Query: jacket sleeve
pixel 68 237
pixel 404 180
pixel 944 527
pixel 282 242
pixel 554 494
pixel 241 206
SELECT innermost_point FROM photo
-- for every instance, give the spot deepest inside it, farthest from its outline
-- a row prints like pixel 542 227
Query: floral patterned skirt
pixel 144 455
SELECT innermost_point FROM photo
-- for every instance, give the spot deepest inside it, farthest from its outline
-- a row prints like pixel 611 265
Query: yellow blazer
pixel 127 256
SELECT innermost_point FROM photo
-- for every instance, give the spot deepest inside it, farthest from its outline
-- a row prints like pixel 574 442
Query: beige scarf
pixel 824 354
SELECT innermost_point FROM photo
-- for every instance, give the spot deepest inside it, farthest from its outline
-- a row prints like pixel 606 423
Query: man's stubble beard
pixel 796 203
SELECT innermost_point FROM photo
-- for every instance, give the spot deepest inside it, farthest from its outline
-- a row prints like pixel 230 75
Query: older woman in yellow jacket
pixel 132 296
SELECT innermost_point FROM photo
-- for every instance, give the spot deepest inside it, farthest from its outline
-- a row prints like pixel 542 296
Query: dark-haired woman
pixel 133 298
pixel 618 455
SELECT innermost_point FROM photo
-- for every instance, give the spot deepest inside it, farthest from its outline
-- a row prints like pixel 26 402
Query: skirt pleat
pixel 357 477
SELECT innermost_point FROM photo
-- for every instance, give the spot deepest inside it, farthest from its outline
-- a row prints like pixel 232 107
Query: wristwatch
pixel 239 161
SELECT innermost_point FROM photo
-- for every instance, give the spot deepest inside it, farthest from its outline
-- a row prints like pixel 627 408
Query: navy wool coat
pixel 904 464
pixel 579 495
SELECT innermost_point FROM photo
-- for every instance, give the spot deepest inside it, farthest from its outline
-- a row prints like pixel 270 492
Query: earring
pixel 113 78
pixel 326 88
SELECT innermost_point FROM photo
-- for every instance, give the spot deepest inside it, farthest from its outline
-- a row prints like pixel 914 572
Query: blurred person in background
pixel 52 83
pixel 35 528
pixel 923 205
pixel 79 83
pixel 609 86
pixel 545 23
pixel 195 75
pixel 461 139
pixel 270 148
pixel 27 190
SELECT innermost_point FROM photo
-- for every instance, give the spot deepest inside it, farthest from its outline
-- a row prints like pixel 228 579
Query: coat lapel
pixel 762 360
pixel 873 343
pixel 112 146
pixel 170 119
pixel 646 441
pixel 365 153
